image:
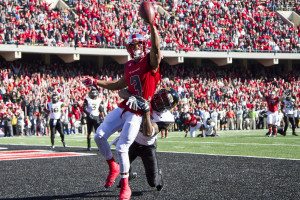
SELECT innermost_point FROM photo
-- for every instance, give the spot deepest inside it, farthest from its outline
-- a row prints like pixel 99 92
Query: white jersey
pixel 288 107
pixel 55 110
pixel 165 116
pixel 209 129
pixel 279 119
pixel 93 106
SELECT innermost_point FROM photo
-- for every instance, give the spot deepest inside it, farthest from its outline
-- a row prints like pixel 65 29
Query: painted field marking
pixel 1 148
pixel 233 143
pixel 225 155
pixel 36 154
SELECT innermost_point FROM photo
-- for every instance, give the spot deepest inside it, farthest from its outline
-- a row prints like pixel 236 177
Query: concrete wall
pixel 290 17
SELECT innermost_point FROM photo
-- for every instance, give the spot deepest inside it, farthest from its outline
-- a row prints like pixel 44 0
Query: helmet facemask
pixel 93 94
pixel 136 46
pixel 164 100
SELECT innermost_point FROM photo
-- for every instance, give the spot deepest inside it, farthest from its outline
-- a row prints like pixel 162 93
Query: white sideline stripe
pixel 59 147
pixel 2 148
pixel 91 154
pixel 224 155
pixel 233 143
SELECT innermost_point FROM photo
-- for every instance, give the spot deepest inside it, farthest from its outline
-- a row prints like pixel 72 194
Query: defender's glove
pixel 143 105
pixel 132 103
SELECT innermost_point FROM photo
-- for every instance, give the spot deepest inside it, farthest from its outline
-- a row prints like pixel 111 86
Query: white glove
pixel 132 103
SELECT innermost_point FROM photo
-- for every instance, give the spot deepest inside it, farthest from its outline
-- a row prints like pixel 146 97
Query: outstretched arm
pixel 155 52
pixel 110 85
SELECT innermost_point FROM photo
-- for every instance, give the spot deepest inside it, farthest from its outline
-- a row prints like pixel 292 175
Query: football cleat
pixel 132 176
pixel 294 134
pixel 125 192
pixel 114 171
pixel 160 186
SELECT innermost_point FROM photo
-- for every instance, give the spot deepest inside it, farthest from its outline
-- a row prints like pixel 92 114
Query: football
pixel 146 11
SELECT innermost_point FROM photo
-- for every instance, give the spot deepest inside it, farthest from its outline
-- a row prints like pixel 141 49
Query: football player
pixel 91 107
pixel 192 123
pixel 141 77
pixel 288 110
pixel 144 145
pixel 54 108
pixel 208 129
pixel 272 114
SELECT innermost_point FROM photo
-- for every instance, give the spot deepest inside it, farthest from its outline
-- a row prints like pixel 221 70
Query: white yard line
pixel 232 143
pixel 224 155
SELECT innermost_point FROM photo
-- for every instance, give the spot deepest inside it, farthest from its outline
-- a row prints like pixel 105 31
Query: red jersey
pixel 192 122
pixel 140 79
pixel 272 103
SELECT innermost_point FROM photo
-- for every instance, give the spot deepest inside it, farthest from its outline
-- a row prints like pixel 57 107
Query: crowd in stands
pixel 244 25
pixel 26 88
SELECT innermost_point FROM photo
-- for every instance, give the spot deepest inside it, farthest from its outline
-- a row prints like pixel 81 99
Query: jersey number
pixel 136 83
pixel 55 110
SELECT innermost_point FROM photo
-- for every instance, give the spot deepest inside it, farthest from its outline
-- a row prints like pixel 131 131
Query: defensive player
pixel 144 145
pixel 54 108
pixel 288 110
pixel 208 129
pixel 91 107
pixel 141 76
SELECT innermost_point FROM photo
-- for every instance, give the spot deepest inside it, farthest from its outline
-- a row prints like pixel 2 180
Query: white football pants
pixel 116 120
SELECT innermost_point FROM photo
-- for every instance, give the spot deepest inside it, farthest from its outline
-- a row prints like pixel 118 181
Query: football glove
pixel 143 105
pixel 132 103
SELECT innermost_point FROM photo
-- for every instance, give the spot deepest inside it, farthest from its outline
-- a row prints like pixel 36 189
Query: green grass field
pixel 238 143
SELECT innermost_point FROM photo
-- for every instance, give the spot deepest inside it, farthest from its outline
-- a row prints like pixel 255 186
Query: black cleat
pixel 160 186
pixel 294 134
pixel 64 144
pixel 89 149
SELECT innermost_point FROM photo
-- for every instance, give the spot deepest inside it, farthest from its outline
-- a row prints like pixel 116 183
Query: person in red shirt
pixel 141 77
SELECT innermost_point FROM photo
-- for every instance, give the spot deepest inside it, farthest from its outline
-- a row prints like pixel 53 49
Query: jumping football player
pixel 141 76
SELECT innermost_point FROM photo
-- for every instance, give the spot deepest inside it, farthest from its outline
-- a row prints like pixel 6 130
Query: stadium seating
pixel 191 26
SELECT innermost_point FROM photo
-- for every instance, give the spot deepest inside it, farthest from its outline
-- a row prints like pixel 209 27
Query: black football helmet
pixel 94 93
pixel 55 98
pixel 164 99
